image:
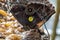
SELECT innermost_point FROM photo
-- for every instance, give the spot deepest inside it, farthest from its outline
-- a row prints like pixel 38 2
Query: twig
pixel 56 21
